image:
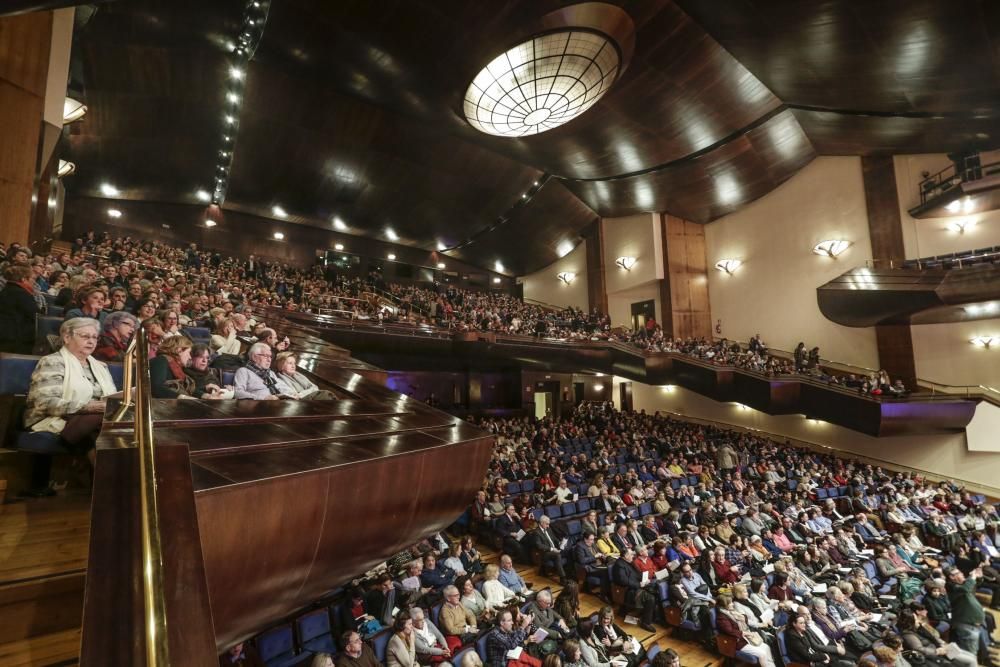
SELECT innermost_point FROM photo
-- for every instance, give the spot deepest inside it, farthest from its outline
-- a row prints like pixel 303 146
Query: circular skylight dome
pixel 542 83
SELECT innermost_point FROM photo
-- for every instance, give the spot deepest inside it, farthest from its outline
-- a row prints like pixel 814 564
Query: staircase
pixel 43 556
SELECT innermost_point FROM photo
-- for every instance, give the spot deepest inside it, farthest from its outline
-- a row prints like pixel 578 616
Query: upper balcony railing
pixel 951 177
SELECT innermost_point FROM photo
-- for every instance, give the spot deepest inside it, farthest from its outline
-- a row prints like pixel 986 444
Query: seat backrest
pixel 645 508
pixel 568 508
pixel 436 612
pixel 15 372
pixel 379 643
pixel 513 488
pixel 574 527
pixel 583 505
pixel 481 647
pixel 553 511
pixel 528 485
pixel 314 624
pixel 275 642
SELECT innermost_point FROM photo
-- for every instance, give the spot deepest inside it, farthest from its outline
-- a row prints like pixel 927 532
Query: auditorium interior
pixel 523 333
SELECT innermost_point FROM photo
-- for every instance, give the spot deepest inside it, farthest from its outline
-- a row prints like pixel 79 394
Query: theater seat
pixel 39 443
pixel 15 372
pixel 277 647
pixel 314 631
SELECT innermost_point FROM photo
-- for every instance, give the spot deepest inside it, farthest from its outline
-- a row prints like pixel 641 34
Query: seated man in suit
pixel 546 543
pixel 508 526
pixel 587 557
pixel 624 573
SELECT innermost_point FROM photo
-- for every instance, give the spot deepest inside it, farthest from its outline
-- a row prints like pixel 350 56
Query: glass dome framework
pixel 542 83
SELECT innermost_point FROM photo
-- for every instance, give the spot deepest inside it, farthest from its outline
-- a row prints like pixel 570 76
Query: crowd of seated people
pixel 776 552
pixel 833 554
pixel 168 287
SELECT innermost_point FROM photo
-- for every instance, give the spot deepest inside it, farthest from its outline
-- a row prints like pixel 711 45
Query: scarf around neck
pixel 265 376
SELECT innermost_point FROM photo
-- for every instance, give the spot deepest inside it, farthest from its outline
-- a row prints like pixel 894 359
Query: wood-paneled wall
pixel 895 342
pixel 24 66
pixel 684 287
pixel 597 286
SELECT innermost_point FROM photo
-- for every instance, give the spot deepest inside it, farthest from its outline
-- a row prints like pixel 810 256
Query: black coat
pixel 17 319
pixel 805 649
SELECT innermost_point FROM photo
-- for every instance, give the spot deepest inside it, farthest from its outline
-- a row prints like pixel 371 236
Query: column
pixel 24 63
pixel 597 287
pixel 895 343
pixel 684 288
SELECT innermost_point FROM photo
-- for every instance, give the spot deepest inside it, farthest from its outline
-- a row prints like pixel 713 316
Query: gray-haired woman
pixel 118 329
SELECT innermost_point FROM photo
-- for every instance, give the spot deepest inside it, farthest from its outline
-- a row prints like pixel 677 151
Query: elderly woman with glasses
pixel 69 388
pixel 257 381
pixel 304 388
pixel 118 329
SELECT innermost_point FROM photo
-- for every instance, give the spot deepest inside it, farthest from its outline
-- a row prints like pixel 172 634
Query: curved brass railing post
pixel 157 651
pixel 154 604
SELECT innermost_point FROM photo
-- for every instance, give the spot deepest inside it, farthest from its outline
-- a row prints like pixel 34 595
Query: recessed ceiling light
pixel 278 211
pixel 440 265
pixel 338 246
pixel 498 266
pixel 236 73
pixel 391 256
pixel 279 236
pixel 227 138
pixel 339 224
pixel 109 190
pixel 203 195
pixel 524 196
pixel 210 223
pixel 496 280
pixel 230 119
pixel 165 226
pixel 114 213
pixel 536 184
pixel 390 234
pixel 232 97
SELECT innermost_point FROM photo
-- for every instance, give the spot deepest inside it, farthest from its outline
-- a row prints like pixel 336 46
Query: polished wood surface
pixel 24 65
pixel 57 648
pixel 597 281
pixel 917 414
pixel 684 288
pixel 895 342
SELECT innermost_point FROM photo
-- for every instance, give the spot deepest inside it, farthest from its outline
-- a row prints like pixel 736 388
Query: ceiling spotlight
pixel 338 246
pixel 391 256
pixel 73 110
pixel 983 341
pixel 114 213
pixel 236 73
pixel 232 97
pixel 278 211
pixel 832 248
pixel 390 234
pixel 496 280
pixel 227 138
pixel 535 184
pixel 961 226
pixel 524 196
pixel 202 195
pixel 339 224
pixel 566 276
pixel 65 168
pixel 440 265
pixel 230 119
pixel 728 265
pixel 210 223
pixel 165 226
pixel 976 309
pixel 498 266
pixel 109 190
pixel 564 248
pixel 441 246
pixel 279 236
pixel 625 262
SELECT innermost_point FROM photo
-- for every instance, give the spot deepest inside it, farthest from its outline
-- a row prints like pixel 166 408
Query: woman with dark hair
pixel 18 309
pixel 920 636
pixel 592 651
pixel 207 380
pixel 567 604
pixel 146 309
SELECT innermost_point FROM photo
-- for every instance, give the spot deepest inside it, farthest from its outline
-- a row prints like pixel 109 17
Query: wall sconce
pixel 598 387
pixel 667 388
pixel 961 225
pixel 566 276
pixel 832 248
pixel 625 262
pixel 65 168
pixel 73 110
pixel 983 341
pixel 728 265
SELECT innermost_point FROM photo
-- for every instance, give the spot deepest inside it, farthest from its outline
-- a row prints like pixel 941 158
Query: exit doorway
pixel 642 312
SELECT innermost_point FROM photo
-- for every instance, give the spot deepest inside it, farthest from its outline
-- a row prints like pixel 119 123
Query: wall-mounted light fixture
pixel 566 276
pixel 831 248
pixel 728 265
pixel 983 341
pixel 391 256
pixel 73 110
pixel 966 205
pixel 210 223
pixel 338 246
pixel 496 280
pixel 598 387
pixel 961 226
pixel 625 262
pixel 977 309
pixel 114 213
pixel 65 168
pixel 668 388
pixel 440 265
pixel 279 236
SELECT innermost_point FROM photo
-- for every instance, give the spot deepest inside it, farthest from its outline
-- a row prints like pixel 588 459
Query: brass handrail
pixel 154 603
